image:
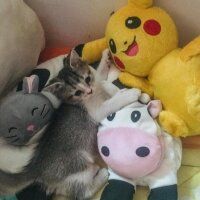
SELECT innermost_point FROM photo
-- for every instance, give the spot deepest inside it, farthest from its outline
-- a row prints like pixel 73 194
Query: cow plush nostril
pixel 142 151
pixel 105 151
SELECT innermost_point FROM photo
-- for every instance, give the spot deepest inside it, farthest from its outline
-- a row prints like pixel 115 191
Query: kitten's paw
pixel 131 94
pixel 106 56
pixel 102 176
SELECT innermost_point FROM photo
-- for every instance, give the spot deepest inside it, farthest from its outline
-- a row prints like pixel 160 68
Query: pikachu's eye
pixel 78 93
pixel 133 22
pixel 112 45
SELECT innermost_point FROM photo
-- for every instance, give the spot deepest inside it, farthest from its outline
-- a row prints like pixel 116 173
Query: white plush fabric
pixel 21 41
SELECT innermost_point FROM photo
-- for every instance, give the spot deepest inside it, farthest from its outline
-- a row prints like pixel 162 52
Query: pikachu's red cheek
pixel 152 27
pixel 119 63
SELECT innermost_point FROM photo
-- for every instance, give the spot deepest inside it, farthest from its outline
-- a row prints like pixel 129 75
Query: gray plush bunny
pixel 24 117
pixel 24 114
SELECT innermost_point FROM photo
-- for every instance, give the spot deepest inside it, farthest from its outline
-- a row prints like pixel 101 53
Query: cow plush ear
pixel 154 107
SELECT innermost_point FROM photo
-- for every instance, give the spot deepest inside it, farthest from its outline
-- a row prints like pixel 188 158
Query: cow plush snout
pixel 129 151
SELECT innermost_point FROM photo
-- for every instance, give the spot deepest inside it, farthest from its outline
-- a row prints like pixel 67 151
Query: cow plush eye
pixel 111 117
pixel 135 116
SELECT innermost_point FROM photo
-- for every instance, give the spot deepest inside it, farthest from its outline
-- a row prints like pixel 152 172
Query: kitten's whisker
pixel 43 109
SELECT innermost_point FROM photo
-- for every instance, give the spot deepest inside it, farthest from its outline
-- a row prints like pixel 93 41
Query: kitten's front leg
pixel 104 65
pixel 115 103
pixel 110 88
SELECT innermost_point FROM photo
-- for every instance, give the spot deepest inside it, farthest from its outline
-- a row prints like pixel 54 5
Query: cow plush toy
pixel 138 152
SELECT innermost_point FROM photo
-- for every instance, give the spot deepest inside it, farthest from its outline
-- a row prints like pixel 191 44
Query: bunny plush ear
pixel 142 3
pixel 30 84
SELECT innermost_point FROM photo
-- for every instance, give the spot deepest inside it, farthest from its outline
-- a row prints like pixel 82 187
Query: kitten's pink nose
pixel 89 91
pixel 30 128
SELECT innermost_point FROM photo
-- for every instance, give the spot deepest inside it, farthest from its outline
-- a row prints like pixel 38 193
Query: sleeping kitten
pixel 64 160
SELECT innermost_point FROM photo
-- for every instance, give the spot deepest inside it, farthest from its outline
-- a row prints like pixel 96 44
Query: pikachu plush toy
pixel 143 42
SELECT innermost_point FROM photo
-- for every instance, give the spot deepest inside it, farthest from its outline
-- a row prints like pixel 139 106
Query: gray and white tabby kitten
pixel 78 83
pixel 64 160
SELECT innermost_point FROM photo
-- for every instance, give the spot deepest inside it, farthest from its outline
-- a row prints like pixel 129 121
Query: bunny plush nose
pixel 30 128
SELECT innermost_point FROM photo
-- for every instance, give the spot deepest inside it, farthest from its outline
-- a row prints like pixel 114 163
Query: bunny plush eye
pixel 33 110
pixel 12 129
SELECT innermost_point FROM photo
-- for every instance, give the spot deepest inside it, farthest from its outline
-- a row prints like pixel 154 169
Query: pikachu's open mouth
pixel 133 48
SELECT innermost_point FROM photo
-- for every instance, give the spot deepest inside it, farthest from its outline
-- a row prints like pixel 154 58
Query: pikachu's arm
pixel 190 50
pixel 92 51
pixel 136 82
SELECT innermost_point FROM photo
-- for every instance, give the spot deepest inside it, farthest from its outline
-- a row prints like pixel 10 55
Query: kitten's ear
pixel 56 86
pixel 74 60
